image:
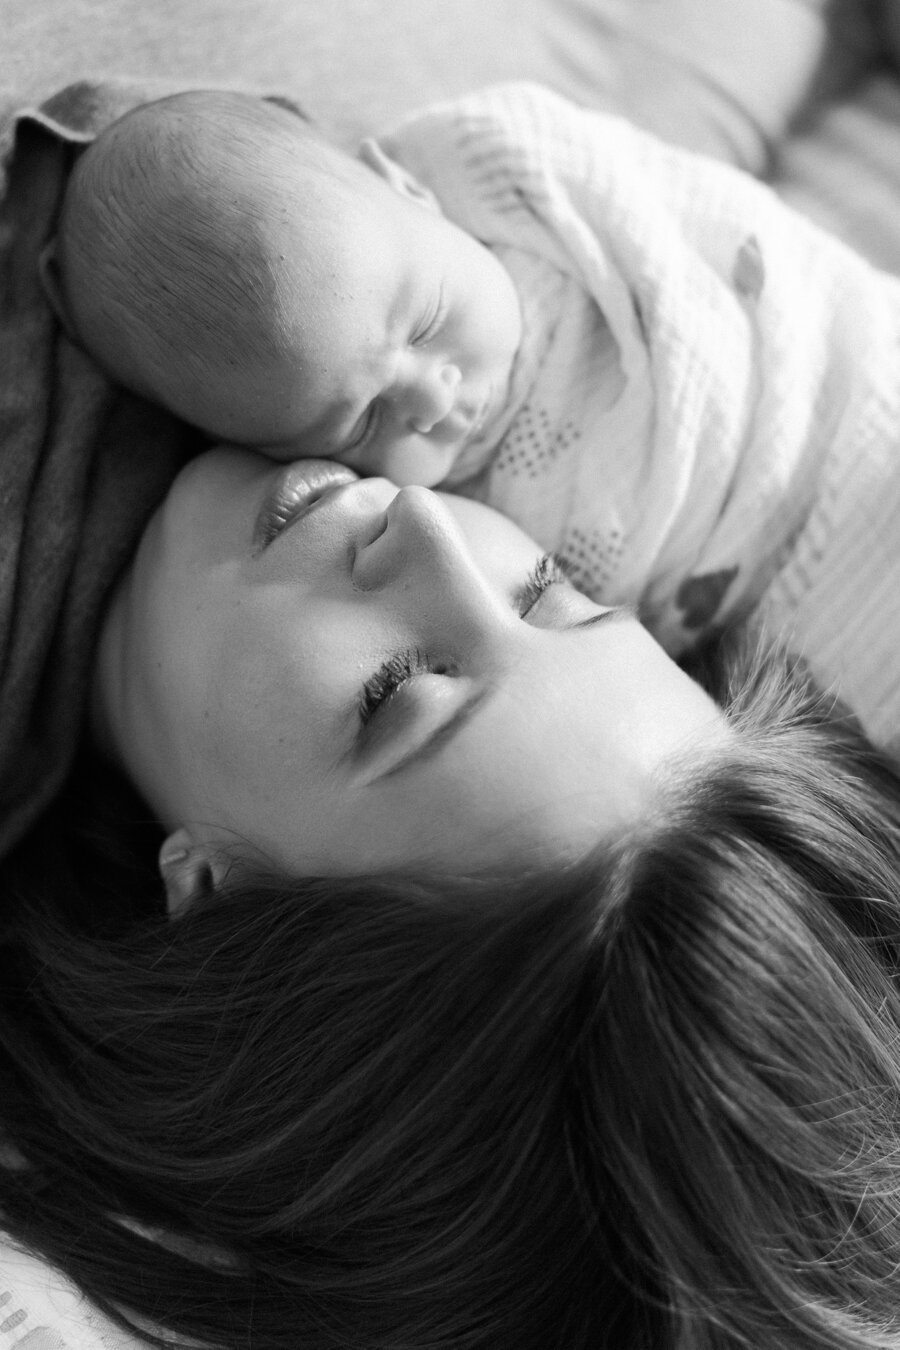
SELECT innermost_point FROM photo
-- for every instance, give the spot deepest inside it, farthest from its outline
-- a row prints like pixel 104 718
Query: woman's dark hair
pixel 652 1100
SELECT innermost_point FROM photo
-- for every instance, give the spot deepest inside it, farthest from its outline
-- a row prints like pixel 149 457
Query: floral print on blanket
pixel 41 1312
pixel 749 272
pixel 15 1332
pixel 699 598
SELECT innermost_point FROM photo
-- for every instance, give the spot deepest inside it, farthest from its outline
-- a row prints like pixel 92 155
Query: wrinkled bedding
pixel 736 452
pixel 842 169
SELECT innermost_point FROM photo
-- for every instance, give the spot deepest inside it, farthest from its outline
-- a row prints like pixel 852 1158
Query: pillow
pixel 889 16
pixel 720 75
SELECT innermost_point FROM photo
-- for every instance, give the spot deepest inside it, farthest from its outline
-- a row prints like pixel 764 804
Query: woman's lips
pixel 296 492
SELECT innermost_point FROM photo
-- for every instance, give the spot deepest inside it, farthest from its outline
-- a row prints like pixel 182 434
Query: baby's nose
pixel 431 397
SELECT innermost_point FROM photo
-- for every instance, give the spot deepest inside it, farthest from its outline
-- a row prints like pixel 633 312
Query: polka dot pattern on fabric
pixel 534 444
pixel 699 598
pixel 592 558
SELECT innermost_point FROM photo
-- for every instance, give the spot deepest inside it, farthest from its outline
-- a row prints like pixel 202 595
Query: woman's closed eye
pixel 398 669
pixel 549 570
pixel 391 675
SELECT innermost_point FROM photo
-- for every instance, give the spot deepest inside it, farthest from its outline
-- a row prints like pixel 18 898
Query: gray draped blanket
pixel 82 464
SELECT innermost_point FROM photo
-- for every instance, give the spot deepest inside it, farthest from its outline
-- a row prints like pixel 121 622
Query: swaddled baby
pixel 217 255
pixel 655 367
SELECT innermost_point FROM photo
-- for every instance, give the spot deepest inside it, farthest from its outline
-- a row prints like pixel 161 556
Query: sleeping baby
pixel 662 373
pixel 219 256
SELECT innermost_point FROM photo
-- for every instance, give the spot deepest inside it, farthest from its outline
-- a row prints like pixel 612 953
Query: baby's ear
pixel 394 174
pixel 48 271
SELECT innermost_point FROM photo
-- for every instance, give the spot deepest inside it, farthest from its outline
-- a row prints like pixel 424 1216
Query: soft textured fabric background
pixel 82 467
pixel 360 62
pixel 727 76
pixel 842 168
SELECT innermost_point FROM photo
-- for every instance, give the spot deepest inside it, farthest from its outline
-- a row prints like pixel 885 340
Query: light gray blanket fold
pixel 82 464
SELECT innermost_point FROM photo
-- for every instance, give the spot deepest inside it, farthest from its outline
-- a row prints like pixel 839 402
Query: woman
pixel 322 674
pixel 579 1027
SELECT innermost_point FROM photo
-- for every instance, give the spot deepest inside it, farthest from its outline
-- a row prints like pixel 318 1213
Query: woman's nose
pixel 422 557
pixel 427 394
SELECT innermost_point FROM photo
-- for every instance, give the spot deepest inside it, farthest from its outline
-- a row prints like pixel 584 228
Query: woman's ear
pixel 186 869
pixel 394 174
pixel 48 271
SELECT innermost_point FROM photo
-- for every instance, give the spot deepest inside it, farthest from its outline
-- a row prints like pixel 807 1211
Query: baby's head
pixel 219 256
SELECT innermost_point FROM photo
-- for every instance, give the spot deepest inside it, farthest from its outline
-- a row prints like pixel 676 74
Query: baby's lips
pixel 414 461
pixel 420 464
pixel 476 426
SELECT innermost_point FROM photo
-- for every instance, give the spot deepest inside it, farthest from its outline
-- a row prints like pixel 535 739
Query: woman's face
pixel 345 677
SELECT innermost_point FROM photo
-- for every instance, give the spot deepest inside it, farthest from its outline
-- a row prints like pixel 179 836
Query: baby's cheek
pixel 412 462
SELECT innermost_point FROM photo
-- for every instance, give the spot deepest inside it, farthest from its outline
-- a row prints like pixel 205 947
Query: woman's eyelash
pixel 390 675
pixel 402 666
pixel 547 571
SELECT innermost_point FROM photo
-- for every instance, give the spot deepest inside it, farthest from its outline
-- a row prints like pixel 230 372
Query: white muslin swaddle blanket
pixel 705 412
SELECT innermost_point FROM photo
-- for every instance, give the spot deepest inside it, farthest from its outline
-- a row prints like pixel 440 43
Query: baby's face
pixel 396 332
